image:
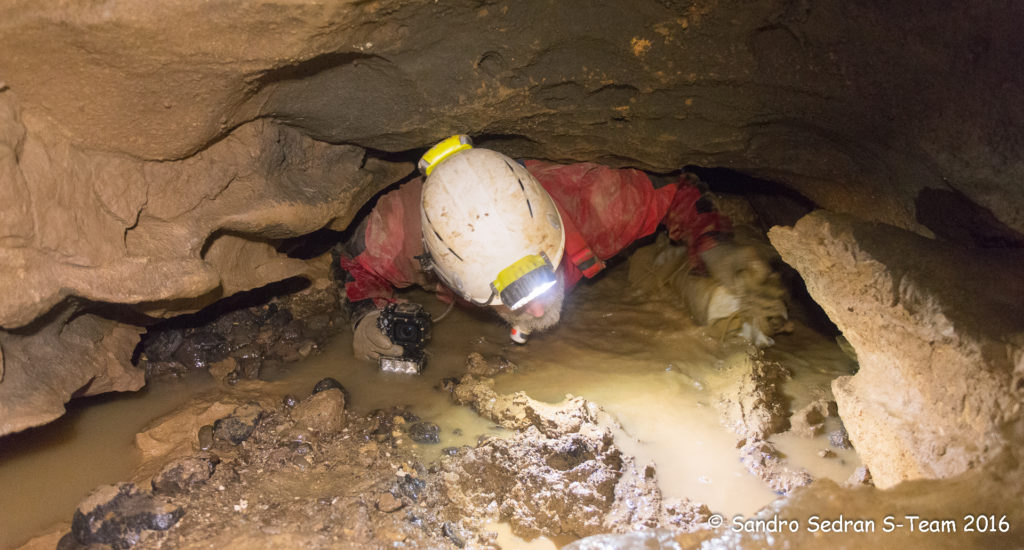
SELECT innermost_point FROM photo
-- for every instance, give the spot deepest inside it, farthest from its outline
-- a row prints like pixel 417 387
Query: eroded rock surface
pixel 938 334
pixel 65 354
pixel 165 238
pixel 812 93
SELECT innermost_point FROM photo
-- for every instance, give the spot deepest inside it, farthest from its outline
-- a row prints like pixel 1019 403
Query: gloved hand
pixel 369 343
pixel 739 268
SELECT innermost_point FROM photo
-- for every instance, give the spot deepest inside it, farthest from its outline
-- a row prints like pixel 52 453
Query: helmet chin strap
pixel 484 303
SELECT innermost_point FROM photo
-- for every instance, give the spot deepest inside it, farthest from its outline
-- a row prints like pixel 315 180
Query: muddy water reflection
pixel 45 471
pixel 645 362
pixel 459 334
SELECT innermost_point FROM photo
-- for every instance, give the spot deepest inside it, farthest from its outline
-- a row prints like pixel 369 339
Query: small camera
pixel 407 325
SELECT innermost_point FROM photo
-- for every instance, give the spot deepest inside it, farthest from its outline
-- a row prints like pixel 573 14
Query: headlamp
pixel 524 280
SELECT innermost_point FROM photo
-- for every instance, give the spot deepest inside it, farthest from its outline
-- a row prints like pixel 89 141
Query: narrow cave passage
pixel 183 349
pixel 673 396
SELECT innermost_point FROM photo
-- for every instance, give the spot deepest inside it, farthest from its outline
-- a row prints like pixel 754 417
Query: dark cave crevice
pixel 242 300
pixel 954 217
pixel 774 202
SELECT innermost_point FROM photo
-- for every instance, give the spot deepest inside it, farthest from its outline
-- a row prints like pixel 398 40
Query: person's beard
pixel 552 300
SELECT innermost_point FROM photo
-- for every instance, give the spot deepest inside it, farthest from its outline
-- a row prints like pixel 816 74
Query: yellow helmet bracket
pixel 436 154
pixel 524 280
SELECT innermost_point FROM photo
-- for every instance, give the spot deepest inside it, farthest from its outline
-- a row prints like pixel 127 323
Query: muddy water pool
pixel 45 471
pixel 645 362
pixel 641 358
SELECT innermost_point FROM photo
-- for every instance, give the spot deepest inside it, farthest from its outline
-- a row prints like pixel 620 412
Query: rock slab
pixel 938 333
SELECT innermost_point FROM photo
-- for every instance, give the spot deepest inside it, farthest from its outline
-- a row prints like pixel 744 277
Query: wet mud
pixel 309 473
pixel 482 449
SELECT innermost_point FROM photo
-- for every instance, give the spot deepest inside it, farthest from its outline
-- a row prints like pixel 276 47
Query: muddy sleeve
pixel 692 218
pixel 382 254
pixel 364 289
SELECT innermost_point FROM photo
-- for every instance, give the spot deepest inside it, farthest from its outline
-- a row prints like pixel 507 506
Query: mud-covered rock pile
pixel 242 342
pixel 559 474
pixel 754 407
pixel 287 472
pixel 281 473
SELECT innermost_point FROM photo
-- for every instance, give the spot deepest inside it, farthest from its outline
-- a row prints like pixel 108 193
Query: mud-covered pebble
pixel 425 432
pixel 239 425
pixel 219 370
pixel 411 486
pixel 448 384
pixel 328 383
pixel 295 434
pixel 386 502
pixel 860 476
pixel 321 412
pixel 449 530
pixel 206 437
pixel 318 323
pixel 478 366
pixel 184 473
pixel 116 515
pixel 840 439
pixel 278 317
pixel 68 542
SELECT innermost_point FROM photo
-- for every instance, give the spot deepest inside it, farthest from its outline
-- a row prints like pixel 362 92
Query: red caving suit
pixel 607 209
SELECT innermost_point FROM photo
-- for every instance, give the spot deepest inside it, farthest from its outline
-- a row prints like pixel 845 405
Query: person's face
pixel 539 314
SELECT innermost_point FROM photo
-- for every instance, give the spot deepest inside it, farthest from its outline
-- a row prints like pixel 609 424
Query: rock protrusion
pixel 810 420
pixel 184 473
pixel 239 425
pixel 117 515
pixel 322 412
pixel 938 336
pixel 754 405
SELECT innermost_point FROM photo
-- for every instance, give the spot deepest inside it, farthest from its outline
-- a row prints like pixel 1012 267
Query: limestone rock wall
pixel 859 105
pixel 82 228
pixel 939 337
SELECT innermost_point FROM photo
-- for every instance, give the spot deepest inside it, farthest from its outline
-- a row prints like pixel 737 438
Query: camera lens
pixel 406 332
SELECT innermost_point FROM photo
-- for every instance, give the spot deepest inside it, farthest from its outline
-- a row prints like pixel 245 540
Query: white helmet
pixel 493 233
